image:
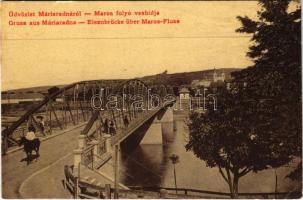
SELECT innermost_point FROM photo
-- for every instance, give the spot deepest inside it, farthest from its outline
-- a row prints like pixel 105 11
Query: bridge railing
pixel 141 117
pixel 92 154
pixel 83 189
pixel 87 157
pixel 130 96
pixel 204 193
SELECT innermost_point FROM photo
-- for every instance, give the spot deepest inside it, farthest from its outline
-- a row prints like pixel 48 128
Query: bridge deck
pixel 122 134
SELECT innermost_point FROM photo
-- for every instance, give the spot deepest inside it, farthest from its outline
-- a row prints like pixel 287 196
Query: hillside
pixel 185 78
pixel 175 79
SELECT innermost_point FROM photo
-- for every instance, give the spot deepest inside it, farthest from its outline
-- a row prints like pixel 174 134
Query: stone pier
pixel 161 130
pixel 154 133
pixel 168 125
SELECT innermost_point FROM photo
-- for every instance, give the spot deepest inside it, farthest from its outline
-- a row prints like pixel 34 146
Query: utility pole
pixel 276 183
pixel 116 194
pixel 175 178
pixel 175 159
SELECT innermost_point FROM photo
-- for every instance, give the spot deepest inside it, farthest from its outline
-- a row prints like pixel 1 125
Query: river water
pixel 149 165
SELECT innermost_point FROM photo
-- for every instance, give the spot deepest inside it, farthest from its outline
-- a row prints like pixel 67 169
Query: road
pixel 53 154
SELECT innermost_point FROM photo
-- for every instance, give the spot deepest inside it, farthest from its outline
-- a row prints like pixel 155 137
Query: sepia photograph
pixel 151 99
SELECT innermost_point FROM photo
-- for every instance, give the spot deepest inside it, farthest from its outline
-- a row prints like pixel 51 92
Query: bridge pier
pixel 168 125
pixel 161 129
pixel 154 133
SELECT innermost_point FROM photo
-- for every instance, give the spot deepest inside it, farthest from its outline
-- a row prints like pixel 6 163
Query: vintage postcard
pixel 151 99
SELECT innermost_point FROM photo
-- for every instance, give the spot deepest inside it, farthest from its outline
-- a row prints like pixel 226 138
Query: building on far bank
pixel 218 77
pixel 19 98
pixel 199 83
pixel 208 80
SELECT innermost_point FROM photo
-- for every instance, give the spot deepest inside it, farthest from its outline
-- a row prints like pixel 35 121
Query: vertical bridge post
pixel 116 194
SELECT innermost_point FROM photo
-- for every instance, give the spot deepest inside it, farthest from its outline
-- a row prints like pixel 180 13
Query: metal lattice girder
pixel 70 112
pixel 57 119
pixel 90 122
pixel 89 88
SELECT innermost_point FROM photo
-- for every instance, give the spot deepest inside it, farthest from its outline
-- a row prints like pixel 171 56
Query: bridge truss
pixel 88 103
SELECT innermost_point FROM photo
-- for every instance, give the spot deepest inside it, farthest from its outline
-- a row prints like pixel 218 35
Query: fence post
pixel 77 160
pixel 82 141
pixel 4 144
pixel 76 189
pixel 116 194
pixel 163 193
pixel 108 143
pixel 107 191
pixel 95 147
pixel 92 154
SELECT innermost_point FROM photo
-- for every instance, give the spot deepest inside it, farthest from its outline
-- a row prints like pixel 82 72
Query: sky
pixel 51 55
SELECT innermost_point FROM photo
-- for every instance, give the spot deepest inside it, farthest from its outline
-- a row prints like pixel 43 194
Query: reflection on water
pixel 145 166
pixel 149 165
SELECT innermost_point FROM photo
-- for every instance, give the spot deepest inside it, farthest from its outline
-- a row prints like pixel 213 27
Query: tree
pixel 226 138
pixel 257 124
pixel 276 73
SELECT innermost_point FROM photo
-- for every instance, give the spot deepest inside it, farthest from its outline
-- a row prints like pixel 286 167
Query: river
pixel 149 165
